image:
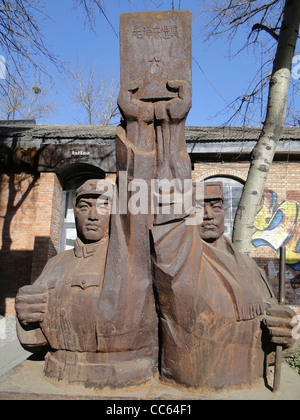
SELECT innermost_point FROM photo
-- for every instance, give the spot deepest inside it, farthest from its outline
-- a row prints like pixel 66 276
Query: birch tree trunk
pixel 264 151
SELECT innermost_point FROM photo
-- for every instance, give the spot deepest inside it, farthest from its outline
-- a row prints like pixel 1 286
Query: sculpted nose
pixel 208 214
pixel 93 215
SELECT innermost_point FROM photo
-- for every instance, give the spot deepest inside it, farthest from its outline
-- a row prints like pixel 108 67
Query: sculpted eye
pixel 217 207
pixel 103 204
pixel 83 206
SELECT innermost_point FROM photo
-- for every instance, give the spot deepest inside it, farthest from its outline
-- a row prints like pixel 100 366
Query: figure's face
pixel 212 227
pixel 92 216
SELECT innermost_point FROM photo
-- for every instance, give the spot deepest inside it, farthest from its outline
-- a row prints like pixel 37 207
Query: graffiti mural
pixel 278 224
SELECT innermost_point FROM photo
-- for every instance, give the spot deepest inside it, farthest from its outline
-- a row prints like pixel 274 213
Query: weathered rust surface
pixel 93 307
pixel 219 319
pixel 155 48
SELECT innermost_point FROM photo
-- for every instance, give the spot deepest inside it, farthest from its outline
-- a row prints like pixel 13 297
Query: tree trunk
pixel 263 152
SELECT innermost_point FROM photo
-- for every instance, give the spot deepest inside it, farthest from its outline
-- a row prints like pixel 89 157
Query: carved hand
pixel 173 160
pixel 134 109
pixel 278 321
pixel 31 304
pixel 178 108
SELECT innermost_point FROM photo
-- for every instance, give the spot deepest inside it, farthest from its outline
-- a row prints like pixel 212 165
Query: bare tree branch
pixel 235 18
pixel 95 94
pixel 260 27
pixel 264 150
pixel 89 8
pixel 22 39
pixel 25 101
pixel 20 34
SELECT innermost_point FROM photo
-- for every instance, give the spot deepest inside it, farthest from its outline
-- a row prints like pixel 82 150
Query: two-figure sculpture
pixel 151 293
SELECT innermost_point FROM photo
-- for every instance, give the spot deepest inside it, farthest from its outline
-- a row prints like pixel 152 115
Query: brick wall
pixel 18 196
pixel 30 220
pixel 47 222
pixel 204 170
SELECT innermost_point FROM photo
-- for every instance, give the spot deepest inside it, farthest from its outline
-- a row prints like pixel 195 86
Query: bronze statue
pixel 99 328
pixel 136 279
pixel 213 300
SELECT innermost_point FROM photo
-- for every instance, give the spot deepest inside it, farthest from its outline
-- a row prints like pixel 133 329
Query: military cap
pixel 94 187
pixel 213 191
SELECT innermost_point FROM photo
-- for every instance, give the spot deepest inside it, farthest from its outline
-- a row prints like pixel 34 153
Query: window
pixel 232 190
pixel 68 231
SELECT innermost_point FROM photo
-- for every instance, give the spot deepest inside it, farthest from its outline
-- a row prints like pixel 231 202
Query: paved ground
pixel 21 377
pixel 26 381
pixel 11 355
pixel 11 352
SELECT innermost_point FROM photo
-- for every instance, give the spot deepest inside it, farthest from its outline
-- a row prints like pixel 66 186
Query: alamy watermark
pixel 2 68
pixel 156 197
pixel 296 67
pixel 2 328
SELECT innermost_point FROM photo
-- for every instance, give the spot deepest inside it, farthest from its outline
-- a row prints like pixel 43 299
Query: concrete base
pixel 26 382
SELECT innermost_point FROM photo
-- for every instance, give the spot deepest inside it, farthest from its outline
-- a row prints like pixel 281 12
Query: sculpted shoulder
pixel 56 263
pixel 61 257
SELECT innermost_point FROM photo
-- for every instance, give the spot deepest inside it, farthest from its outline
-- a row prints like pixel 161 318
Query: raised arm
pixel 170 117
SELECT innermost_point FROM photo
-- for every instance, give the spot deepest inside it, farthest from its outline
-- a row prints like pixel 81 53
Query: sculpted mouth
pixel 92 227
pixel 208 226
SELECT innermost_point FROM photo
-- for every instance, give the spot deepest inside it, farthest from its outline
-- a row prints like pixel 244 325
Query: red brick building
pixel 41 166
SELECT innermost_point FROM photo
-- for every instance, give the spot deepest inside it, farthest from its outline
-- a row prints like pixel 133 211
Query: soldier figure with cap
pixel 278 319
pixel 217 313
pixel 78 308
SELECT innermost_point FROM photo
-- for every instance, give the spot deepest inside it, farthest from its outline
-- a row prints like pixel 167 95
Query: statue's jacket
pixel 211 304
pixel 100 322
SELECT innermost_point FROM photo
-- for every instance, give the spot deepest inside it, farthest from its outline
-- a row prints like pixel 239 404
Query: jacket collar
pixel 82 250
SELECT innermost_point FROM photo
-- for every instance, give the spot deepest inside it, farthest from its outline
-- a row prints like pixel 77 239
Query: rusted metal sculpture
pixel 155 48
pixel 218 315
pixel 91 307
pixel 94 307
pixel 212 300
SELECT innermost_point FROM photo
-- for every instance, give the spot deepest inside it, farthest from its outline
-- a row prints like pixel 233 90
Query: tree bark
pixel 264 151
